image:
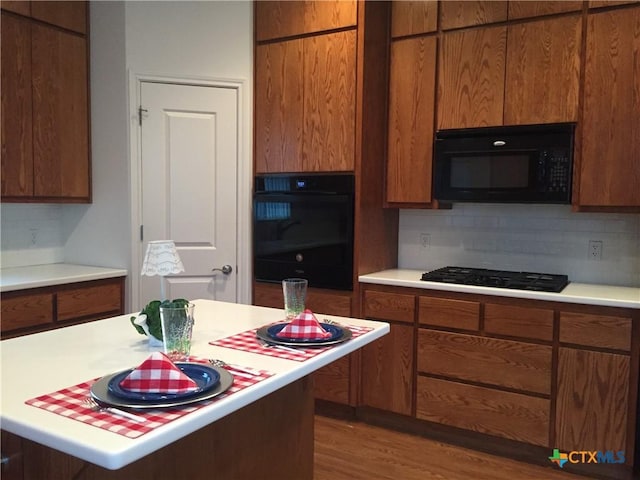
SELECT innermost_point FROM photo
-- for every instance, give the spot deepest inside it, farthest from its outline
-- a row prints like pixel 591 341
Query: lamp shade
pixel 161 259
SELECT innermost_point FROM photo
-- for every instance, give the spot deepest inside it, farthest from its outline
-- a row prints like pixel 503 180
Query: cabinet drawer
pixel 509 415
pixel 389 306
pixel 505 363
pixel 26 311
pixel 595 330
pixel 518 321
pixel 318 301
pixel 444 312
pixel 89 301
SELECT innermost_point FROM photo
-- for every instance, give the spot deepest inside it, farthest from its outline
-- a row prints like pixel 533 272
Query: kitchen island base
pixel 271 438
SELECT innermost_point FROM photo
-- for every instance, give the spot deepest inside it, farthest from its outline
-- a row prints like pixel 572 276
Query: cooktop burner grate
pixel 542 282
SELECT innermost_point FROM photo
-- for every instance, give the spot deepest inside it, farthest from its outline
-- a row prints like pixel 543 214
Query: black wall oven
pixel 303 227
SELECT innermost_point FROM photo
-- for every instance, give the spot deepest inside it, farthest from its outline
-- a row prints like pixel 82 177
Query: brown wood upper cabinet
pixel 457 14
pixel 281 19
pixel 413 17
pixel 71 15
pixel 45 119
pixel 521 74
pixel 471 78
pixel 528 8
pixel 609 168
pixel 305 104
pixel 411 104
pixel 543 71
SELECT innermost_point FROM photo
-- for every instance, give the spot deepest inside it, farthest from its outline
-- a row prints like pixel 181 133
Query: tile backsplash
pixel 537 238
pixel 31 235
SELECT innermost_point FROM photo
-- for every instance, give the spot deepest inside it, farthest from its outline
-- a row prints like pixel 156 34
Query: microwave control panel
pixel 555 174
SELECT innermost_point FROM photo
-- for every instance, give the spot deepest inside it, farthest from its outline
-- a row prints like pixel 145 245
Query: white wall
pixel 536 238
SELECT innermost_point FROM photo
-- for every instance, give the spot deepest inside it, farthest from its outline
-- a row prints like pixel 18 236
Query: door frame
pixel 244 176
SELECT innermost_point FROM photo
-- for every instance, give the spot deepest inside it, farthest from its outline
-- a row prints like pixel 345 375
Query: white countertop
pixel 34 276
pixel 584 293
pixel 42 363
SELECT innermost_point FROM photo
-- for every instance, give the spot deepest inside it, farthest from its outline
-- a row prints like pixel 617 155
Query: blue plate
pixel 335 331
pixel 206 378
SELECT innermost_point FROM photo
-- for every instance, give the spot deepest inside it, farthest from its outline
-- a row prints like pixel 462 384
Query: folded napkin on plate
pixel 304 326
pixel 158 374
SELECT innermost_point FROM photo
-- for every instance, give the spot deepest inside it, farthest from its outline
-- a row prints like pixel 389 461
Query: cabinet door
pixel 543 71
pixel 71 15
pixel 413 17
pixel 22 7
pixel 411 103
pixel 471 78
pixel 593 394
pixel 278 107
pixel 12 452
pixel 60 119
pixel 17 154
pixel 610 160
pixel 279 19
pixel 387 371
pixel 328 138
pixel 456 14
pixel 528 8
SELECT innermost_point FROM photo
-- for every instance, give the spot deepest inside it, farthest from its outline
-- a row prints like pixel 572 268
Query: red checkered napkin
pixel 304 326
pixel 158 374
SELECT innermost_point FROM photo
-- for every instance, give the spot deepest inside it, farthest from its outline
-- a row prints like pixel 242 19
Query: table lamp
pixel 161 259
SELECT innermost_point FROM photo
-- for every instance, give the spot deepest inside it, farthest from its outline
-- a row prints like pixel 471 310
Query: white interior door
pixel 189 155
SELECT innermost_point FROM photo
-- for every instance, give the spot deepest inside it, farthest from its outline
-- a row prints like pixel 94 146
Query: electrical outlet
pixel 595 249
pixel 425 240
pixel 34 236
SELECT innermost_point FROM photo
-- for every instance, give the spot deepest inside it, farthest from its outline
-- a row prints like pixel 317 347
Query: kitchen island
pixel 262 431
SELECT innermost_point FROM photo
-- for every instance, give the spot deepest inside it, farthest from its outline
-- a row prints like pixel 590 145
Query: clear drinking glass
pixel 295 294
pixel 177 328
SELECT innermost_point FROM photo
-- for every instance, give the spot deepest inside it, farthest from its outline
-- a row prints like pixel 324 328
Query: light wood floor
pixel 353 450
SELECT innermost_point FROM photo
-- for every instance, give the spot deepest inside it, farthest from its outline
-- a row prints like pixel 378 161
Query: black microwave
pixel 512 164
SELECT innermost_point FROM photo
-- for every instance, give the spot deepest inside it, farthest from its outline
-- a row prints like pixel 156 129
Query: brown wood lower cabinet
pixel 505 414
pixel 333 382
pixel 504 363
pixel 593 389
pixel 539 373
pixel 387 373
pixel 38 309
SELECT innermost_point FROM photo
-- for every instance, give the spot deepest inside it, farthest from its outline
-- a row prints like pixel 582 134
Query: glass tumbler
pixel 295 294
pixel 177 327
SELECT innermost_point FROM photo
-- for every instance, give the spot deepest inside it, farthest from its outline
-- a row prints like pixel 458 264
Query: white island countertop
pixel 35 276
pixel 583 293
pixel 42 363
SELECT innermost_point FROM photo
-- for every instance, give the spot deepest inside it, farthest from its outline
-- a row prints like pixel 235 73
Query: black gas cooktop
pixel 542 282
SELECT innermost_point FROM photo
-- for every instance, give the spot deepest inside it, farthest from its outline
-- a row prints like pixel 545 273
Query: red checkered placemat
pixel 70 402
pixel 248 342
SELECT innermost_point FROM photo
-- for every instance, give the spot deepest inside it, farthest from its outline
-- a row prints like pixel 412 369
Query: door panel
pixel 189 164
